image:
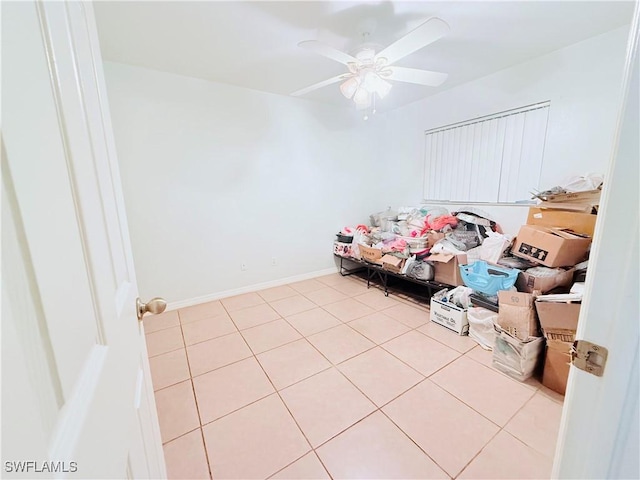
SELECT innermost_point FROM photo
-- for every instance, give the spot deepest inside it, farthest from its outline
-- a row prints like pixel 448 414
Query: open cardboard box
pixel 392 263
pixel 528 283
pixel 588 197
pixel 449 315
pixel 551 247
pixel 372 255
pixel 446 267
pixel 559 323
pixel 578 222
pixel 558 317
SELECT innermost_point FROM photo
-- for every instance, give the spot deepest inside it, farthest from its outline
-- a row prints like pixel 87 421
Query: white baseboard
pixel 249 288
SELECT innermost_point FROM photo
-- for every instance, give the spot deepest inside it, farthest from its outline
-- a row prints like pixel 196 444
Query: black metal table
pixel 375 271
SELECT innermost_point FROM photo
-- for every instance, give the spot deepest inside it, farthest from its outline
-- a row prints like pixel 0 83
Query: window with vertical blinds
pixel 495 159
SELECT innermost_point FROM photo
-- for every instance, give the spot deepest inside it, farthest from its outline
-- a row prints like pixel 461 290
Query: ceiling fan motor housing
pixel 366 53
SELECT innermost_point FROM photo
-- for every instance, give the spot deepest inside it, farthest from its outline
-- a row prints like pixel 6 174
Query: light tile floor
pixel 326 379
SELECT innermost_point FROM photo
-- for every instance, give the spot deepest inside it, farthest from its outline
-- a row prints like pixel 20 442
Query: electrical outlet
pixel 274 261
pixel 243 266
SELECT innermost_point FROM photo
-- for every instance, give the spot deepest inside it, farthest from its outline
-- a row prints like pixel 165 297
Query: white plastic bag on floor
pixel 481 329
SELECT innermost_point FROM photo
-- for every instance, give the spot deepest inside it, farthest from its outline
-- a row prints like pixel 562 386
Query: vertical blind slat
pixel 494 160
pixel 426 180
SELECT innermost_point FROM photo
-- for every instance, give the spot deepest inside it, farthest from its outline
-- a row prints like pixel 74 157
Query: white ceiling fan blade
pixel 413 75
pixel 327 51
pixel 427 33
pixel 318 85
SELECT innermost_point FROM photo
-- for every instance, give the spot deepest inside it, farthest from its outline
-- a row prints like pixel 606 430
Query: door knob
pixel 155 305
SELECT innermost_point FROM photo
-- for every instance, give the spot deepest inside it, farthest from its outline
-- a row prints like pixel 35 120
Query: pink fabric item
pixel 439 223
pixel 396 245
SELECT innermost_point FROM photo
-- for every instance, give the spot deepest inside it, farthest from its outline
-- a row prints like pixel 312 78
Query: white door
pixel 77 399
pixel 600 428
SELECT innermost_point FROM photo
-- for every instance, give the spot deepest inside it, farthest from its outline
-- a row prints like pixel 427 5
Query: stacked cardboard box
pixel 583 202
pixel 557 239
pixel 558 235
pixel 559 321
pixel 518 346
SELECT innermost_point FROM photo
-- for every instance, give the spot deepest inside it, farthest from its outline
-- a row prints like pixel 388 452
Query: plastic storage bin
pixel 488 279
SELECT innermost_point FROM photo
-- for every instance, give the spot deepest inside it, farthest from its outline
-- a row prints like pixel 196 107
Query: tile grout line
pixel 517 382
pixel 181 435
pixel 348 380
pixel 322 463
pixel 195 400
pixel 380 409
pixel 441 342
pixel 516 436
pixel 332 364
pixel 444 389
pixel 277 392
pixel 476 455
pixel 533 388
pixel 377 408
pixel 415 443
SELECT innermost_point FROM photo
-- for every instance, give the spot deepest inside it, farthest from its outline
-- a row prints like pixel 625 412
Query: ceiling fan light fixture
pixel 349 87
pixel 362 97
pixel 375 84
pixel 370 66
pixel 382 88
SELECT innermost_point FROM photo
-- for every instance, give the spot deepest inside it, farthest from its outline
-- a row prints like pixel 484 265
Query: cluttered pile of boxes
pixel 519 297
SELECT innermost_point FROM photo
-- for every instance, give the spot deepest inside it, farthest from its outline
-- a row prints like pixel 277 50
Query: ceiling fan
pixel 370 68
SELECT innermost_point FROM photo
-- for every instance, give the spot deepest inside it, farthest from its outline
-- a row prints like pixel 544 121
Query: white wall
pixel 583 83
pixel 216 175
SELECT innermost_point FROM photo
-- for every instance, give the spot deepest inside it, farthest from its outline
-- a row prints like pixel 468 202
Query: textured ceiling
pixel 254 44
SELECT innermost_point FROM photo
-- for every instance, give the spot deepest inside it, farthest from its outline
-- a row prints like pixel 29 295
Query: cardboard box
pixel 578 222
pixel 558 317
pixel 559 323
pixel 557 364
pixel 392 263
pixel 528 283
pixel 584 208
pixel 372 255
pixel 449 315
pixel 518 359
pixel 447 268
pixel 550 247
pixel 517 314
pixel 433 238
pixel 588 197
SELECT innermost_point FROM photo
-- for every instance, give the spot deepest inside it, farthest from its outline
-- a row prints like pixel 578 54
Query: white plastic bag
pixel 481 322
pixel 494 246
pixel 359 238
pixel 590 181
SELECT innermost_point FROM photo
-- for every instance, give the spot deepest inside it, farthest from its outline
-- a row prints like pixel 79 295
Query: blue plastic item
pixel 488 279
